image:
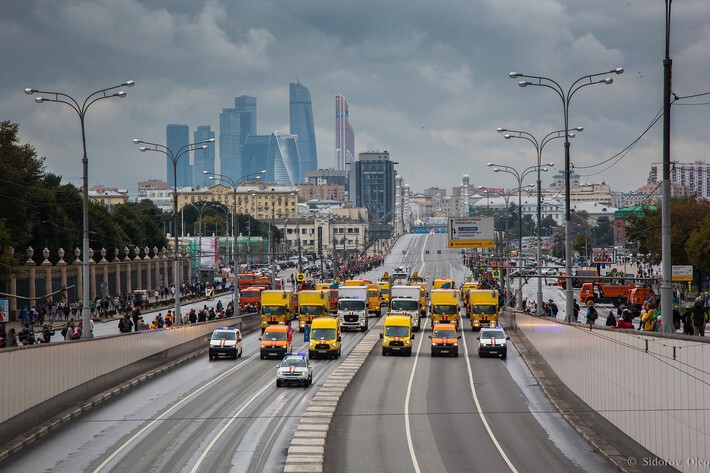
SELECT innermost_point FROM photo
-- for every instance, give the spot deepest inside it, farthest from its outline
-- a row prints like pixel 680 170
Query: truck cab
pixel 406 299
pixel 325 338
pixel 276 307
pixel 385 288
pixel 482 308
pixel 311 304
pixel 374 299
pixel 353 307
pixel 444 306
pixel 397 335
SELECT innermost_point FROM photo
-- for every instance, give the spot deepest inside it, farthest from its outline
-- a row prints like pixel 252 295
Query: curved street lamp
pixel 519 176
pixel 234 183
pixel 81 110
pixel 539 146
pixel 174 157
pixel 566 97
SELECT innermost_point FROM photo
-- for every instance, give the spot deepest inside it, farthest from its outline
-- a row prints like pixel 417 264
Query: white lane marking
pixel 172 408
pixel 480 412
pixel 226 426
pixel 421 271
pixel 407 426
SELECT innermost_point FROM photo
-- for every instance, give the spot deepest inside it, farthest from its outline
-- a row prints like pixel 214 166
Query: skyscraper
pixel 344 135
pixel 204 158
pixel 302 126
pixel 235 124
pixel 177 137
pixel 372 186
pixel 278 153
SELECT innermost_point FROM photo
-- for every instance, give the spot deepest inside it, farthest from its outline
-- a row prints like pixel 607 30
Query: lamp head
pixel 120 94
pixel 579 128
pixel 496 170
pixel 136 141
pixel 501 130
pixel 211 178
pixel 571 135
pixel 39 99
pixel 29 91
pixel 513 75
pixel 263 171
pixel 143 149
pixel 507 136
pixel 129 83
pixel 550 164
pixel 489 164
pixel 608 80
pixel 211 140
pixel 524 83
pixel 618 70
pixel 257 177
pixel 205 172
pixel 203 147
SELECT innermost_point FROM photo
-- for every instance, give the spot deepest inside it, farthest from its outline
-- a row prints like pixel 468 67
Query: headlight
pixel 456 344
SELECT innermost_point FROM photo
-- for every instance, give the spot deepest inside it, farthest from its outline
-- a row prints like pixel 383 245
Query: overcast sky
pixel 426 80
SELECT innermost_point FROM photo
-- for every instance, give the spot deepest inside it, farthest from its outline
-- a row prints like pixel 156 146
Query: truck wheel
pixel 384 353
pixel 278 383
pixel 409 353
pixel 504 355
pixel 363 329
pixel 261 356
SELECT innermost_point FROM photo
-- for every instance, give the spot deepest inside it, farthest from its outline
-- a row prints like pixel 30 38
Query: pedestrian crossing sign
pixel 496 274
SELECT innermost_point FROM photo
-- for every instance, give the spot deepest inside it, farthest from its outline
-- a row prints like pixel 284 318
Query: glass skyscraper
pixel 177 137
pixel 302 126
pixel 203 158
pixel 344 136
pixel 278 153
pixel 372 186
pixel 235 124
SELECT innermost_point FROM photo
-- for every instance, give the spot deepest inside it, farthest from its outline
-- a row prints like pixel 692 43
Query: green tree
pixel 698 250
pixel 603 233
pixel 687 215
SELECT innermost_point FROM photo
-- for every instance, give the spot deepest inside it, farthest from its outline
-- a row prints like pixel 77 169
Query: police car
pixel 225 341
pixel 294 369
pixel 492 341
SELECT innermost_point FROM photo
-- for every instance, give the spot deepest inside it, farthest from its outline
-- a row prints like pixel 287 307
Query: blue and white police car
pixel 294 369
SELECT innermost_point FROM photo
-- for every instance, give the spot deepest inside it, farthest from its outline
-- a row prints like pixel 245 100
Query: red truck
pixel 604 293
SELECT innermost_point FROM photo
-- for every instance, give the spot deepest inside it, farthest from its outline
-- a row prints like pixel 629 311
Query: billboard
pixel 471 232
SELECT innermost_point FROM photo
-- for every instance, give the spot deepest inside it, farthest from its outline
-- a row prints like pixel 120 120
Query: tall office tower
pixel 278 153
pixel 344 136
pixel 203 158
pixel 235 124
pixel 372 186
pixel 695 176
pixel 177 137
pixel 302 126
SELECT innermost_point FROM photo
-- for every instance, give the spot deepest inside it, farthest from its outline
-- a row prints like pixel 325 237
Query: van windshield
pixel 224 335
pixel 269 336
pixel 445 309
pixel 405 305
pixel 484 309
pixel 311 309
pixel 273 310
pixel 323 334
pixel 488 334
pixel 351 304
pixel 397 331
pixel 444 333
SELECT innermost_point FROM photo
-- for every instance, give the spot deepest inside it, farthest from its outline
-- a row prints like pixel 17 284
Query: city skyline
pixel 430 92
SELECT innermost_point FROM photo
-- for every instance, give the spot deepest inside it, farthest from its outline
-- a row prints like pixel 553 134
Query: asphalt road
pixel 425 414
pixel 223 415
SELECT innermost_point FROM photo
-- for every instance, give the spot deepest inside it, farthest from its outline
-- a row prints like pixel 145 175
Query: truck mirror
pixel 259 338
pixel 429 336
pixel 507 337
pixel 459 337
pixel 382 335
pixel 478 338
pixel 412 336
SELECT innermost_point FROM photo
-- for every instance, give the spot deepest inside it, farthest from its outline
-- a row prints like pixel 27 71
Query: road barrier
pixel 41 381
pixel 653 387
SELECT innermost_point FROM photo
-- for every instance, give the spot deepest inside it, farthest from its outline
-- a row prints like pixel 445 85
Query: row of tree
pixel 38 210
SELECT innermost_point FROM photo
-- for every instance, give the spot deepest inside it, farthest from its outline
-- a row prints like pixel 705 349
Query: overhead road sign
pixel 471 243
pixel 471 232
pixel 682 272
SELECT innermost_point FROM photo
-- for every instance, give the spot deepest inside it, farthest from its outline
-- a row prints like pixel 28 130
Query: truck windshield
pixel 444 333
pixel 351 304
pixel 384 291
pixel 273 310
pixel 311 309
pixel 405 305
pixel 269 336
pixel 371 293
pixel 323 334
pixel 445 309
pixel 397 331
pixel 484 309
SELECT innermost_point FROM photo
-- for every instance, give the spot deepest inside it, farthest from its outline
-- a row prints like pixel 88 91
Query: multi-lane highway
pixel 427 414
pixel 399 414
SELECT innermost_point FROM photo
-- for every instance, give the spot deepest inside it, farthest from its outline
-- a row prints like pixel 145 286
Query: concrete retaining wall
pixel 654 388
pixel 40 381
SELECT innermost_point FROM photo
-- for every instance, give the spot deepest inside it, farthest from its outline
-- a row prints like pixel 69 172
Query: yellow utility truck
pixel 444 306
pixel 311 304
pixel 277 307
pixel 482 308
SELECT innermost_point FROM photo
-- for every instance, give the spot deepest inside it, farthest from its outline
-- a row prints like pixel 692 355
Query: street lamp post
pixel 566 97
pixel 519 176
pixel 81 110
pixel 174 157
pixel 539 146
pixel 234 184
